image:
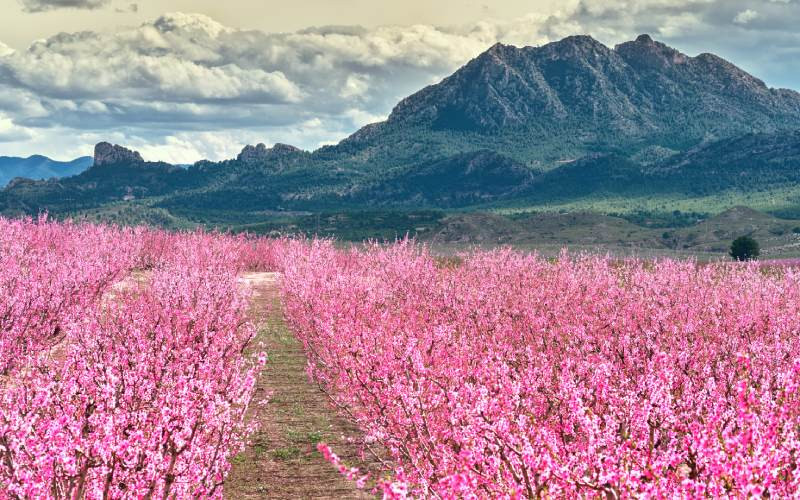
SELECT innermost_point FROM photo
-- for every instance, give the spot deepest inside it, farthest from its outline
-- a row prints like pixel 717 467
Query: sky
pixel 183 80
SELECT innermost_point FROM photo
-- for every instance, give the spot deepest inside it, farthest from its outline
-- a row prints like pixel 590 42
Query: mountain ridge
pixel 39 167
pixel 579 77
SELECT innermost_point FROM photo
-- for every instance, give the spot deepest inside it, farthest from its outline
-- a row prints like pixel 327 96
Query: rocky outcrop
pixel 253 154
pixel 107 154
pixel 646 53
pixel 260 153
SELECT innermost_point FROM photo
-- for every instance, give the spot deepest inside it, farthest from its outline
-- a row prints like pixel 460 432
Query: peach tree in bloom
pixel 512 376
pixel 109 391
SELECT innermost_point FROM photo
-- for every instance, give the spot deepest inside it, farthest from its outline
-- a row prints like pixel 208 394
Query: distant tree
pixel 744 248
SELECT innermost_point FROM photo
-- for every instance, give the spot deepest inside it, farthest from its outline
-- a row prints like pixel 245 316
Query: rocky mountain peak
pixel 727 73
pixel 585 41
pixel 646 53
pixel 495 56
pixel 260 153
pixel 251 154
pixel 280 148
pixel 497 48
pixel 107 154
pixel 636 89
pixel 575 47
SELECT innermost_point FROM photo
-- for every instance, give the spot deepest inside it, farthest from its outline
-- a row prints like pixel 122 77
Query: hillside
pixel 549 232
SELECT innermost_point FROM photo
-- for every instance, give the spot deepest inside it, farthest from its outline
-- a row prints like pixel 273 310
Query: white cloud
pixel 678 25
pixel 360 117
pixel 597 7
pixel 43 5
pixel 355 86
pixel 5 50
pixel 745 16
pixel 9 131
pixel 187 148
pixel 162 61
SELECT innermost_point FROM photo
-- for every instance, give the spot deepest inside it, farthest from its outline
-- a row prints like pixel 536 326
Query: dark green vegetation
pixel 744 248
pixel 572 142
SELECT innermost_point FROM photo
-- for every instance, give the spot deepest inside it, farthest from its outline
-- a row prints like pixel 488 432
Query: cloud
pixel 9 131
pixel 155 62
pixel 186 73
pixel 132 9
pixel 596 7
pixel 5 50
pixel 355 86
pixel 44 5
pixel 745 16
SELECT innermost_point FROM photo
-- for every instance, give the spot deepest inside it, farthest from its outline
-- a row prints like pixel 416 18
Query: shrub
pixel 744 248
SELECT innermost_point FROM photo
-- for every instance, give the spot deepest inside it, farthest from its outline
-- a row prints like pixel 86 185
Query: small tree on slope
pixel 744 248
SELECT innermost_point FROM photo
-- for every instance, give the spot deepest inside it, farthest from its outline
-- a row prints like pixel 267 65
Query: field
pixel 138 363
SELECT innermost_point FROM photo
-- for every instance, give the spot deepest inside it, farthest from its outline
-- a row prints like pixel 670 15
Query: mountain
pixel 571 125
pixel 39 167
pixel 639 90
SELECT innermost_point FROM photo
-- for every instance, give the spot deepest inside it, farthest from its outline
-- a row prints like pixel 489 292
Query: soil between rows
pixel 282 460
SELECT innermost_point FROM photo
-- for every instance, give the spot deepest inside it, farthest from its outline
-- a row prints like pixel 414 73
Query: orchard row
pixel 508 375
pixel 123 371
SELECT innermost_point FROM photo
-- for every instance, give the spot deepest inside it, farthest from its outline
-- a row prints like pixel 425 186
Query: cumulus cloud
pixel 745 16
pixel 9 131
pixel 186 73
pixel 5 50
pixel 157 61
pixel 184 86
pixel 43 5
pixel 355 86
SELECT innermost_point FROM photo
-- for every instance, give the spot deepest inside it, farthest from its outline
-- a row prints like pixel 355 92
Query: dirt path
pixel 282 461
